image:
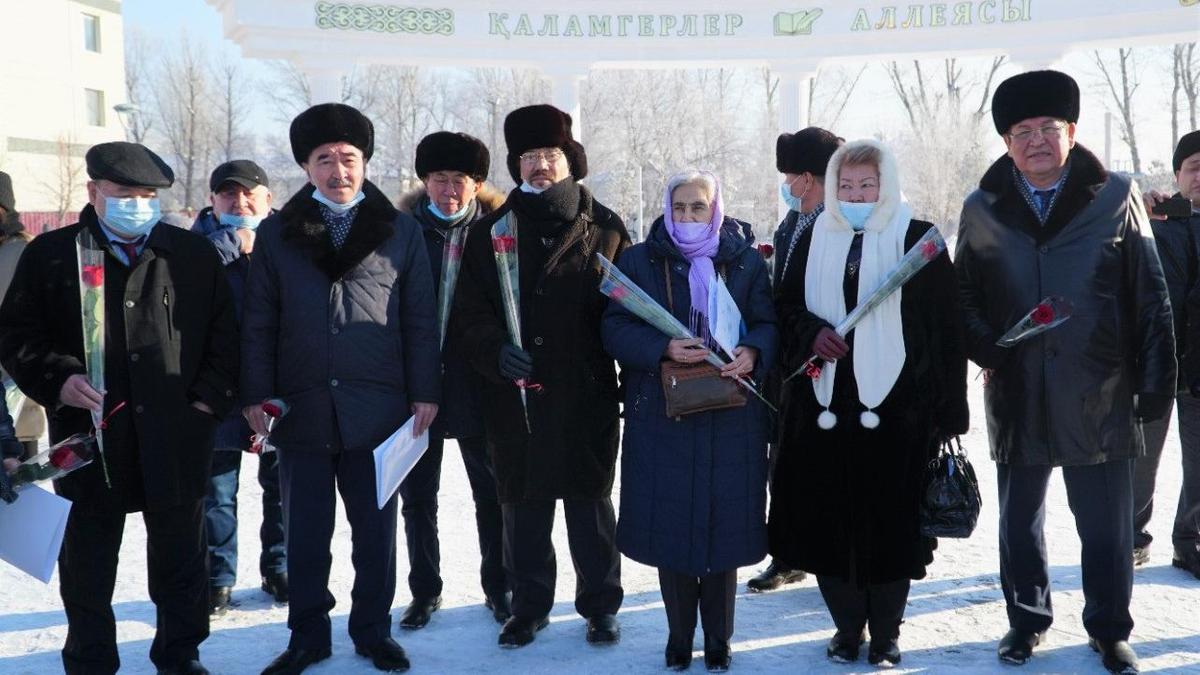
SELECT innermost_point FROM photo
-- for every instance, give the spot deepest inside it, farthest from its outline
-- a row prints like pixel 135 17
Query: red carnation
pixel 1042 314
pixel 455 252
pixel 504 243
pixel 766 250
pixel 64 457
pixel 93 276
pixel 618 293
pixel 929 250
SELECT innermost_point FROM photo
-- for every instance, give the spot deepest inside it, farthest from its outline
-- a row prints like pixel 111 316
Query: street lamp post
pixel 127 113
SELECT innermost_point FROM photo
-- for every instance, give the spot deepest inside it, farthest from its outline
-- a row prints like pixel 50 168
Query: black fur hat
pixel 806 151
pixel 1038 93
pixel 453 151
pixel 331 123
pixel 542 126
pixel 8 200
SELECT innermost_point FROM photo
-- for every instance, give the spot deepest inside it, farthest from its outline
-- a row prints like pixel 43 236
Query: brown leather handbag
pixel 695 387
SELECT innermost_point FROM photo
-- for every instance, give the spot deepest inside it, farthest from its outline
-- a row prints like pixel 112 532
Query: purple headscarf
pixel 698 242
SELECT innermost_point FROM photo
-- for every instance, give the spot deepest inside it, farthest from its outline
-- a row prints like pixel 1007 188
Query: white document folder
pixel 395 457
pixel 31 531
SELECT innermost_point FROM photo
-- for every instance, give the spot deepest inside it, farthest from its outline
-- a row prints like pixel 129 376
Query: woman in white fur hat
pixel 855 441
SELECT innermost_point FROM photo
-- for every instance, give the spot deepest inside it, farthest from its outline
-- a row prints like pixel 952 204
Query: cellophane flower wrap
pixel 275 409
pixel 927 248
pixel 58 460
pixel 504 246
pixel 621 289
pixel 451 262
pixel 91 302
pixel 1045 315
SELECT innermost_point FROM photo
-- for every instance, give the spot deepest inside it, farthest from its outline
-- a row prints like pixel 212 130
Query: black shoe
pixel 1141 555
pixel 294 661
pixel 776 575
pixel 276 586
pixel 1187 560
pixel 386 655
pixel 679 655
pixel 843 647
pixel 193 667
pixel 519 631
pixel 219 601
pixel 882 651
pixel 419 611
pixel 1016 647
pixel 603 629
pixel 716 655
pixel 1117 655
pixel 501 606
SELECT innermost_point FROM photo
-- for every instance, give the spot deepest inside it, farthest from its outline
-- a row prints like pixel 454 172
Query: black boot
pixel 192 667
pixel 519 631
pixel 220 600
pixel 716 655
pixel 603 629
pixel 1016 647
pixel 294 661
pixel 679 654
pixel 882 651
pixel 419 611
pixel 276 586
pixel 844 646
pixel 500 604
pixel 777 574
pixel 1117 655
pixel 1187 559
pixel 386 655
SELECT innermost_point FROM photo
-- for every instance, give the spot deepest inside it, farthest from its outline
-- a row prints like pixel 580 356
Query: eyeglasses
pixel 1049 132
pixel 549 156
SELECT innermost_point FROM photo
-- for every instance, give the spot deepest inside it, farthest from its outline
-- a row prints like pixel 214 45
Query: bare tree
pixel 184 102
pixel 1122 81
pixel 68 178
pixel 138 65
pixel 924 98
pixel 232 104
pixel 1186 71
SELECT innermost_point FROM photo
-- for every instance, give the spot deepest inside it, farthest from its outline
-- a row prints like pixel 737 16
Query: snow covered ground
pixel 954 617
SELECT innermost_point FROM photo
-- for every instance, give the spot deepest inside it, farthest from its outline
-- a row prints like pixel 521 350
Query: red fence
pixel 37 222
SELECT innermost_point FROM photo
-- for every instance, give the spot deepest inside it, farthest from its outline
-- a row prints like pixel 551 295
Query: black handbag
pixel 950 498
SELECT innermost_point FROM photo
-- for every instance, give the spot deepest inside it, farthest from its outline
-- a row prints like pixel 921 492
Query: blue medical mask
pixel 526 187
pixel 246 222
pixel 131 217
pixel 336 207
pixel 856 213
pixel 791 200
pixel 457 215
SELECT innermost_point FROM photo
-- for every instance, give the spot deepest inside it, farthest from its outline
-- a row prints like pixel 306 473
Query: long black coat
pixel 179 344
pixel 1065 398
pixel 1177 241
pixel 347 337
pixel 572 451
pixel 848 497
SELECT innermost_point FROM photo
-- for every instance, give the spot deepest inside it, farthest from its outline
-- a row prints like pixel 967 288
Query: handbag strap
pixel 723 272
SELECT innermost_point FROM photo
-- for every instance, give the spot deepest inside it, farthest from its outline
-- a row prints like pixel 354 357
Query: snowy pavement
pixel 955 616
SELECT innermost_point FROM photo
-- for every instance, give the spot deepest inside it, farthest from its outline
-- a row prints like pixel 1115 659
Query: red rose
pixel 766 250
pixel 64 457
pixel 619 293
pixel 93 276
pixel 455 252
pixel 1042 314
pixel 929 250
pixel 505 243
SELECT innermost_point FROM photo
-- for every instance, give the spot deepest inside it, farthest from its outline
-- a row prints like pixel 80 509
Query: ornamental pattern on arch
pixel 384 18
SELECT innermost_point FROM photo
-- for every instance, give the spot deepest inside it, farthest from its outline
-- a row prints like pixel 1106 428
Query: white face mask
pixel 856 213
pixel 526 187
pixel 336 207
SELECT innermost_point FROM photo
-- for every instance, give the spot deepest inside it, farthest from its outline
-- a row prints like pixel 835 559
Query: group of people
pixel 359 314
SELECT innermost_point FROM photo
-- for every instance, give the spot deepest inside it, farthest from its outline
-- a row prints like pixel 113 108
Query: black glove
pixel 7 495
pixel 515 363
pixel 1151 407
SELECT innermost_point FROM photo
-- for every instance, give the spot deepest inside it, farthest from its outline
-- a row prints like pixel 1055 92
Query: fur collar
pixel 489 199
pixel 303 225
pixel 1085 178
pixel 890 195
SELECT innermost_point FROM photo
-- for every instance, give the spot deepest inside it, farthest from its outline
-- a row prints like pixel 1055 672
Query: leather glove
pixel 7 495
pixel 515 363
pixel 1150 407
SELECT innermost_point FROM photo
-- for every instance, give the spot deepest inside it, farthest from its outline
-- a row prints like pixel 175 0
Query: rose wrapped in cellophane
pixel 504 246
pixel 1045 315
pixel 621 289
pixel 60 459
pixel 90 256
pixel 274 408
pixel 928 247
pixel 451 261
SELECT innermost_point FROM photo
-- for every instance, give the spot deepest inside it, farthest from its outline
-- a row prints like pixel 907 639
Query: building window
pixel 91 33
pixel 94 100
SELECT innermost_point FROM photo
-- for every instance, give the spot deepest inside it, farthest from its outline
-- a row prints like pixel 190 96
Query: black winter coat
pixel 1178 243
pixel 847 498
pixel 347 337
pixel 572 451
pixel 170 339
pixel 1066 397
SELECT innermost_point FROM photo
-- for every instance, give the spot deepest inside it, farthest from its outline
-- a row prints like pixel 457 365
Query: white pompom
pixel 869 419
pixel 826 420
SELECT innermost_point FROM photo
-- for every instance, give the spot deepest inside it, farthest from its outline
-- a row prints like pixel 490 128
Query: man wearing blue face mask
pixel 241 198
pixel 170 371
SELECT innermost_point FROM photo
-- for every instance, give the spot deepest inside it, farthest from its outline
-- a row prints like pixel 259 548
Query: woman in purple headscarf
pixel 693 488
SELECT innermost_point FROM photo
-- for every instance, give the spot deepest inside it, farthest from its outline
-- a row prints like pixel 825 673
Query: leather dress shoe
pixel 1141 555
pixel 220 600
pixel 679 655
pixel 716 655
pixel 519 631
pixel 193 667
pixel 294 661
pixel 501 606
pixel 882 651
pixel 386 655
pixel 1117 655
pixel 1016 647
pixel 419 611
pixel 1187 560
pixel 276 586
pixel 603 629
pixel 777 574
pixel 843 646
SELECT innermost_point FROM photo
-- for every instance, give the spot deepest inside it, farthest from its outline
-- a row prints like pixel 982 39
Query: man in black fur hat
pixel 568 448
pixel 1048 220
pixel 339 323
pixel 453 168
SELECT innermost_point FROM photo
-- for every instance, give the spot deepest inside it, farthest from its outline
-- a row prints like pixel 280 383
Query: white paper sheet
pixel 395 457
pixel 31 531
pixel 724 318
